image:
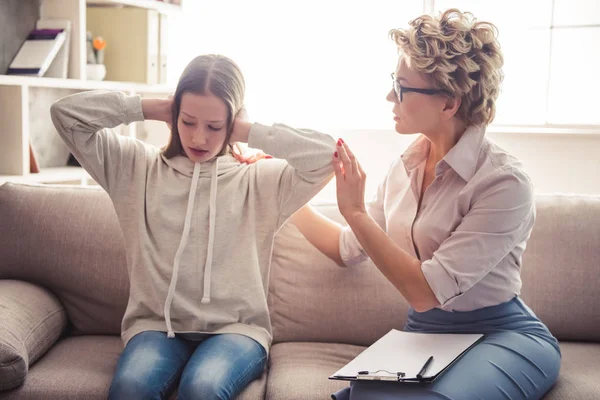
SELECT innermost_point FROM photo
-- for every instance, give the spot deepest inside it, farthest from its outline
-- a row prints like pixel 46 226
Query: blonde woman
pixel 450 221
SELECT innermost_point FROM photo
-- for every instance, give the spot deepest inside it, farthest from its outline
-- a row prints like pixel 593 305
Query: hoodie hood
pixel 210 169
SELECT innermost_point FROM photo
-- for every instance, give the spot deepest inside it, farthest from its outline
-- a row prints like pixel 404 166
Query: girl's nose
pixel 199 138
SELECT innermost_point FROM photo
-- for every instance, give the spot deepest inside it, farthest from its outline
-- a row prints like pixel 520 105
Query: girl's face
pixel 202 125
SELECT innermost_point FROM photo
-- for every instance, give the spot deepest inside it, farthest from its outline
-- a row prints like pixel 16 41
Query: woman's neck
pixel 443 139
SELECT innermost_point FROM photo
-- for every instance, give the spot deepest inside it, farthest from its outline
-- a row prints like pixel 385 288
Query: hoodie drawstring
pixel 211 233
pixel 182 244
pixel 184 238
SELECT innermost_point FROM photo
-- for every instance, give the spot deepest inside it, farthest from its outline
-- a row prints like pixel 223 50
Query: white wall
pixel 568 163
pixel 557 163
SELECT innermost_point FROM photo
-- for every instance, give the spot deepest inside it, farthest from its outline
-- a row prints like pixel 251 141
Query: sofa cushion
pixel 561 266
pixel 82 367
pixel 68 240
pixel 299 371
pixel 579 377
pixel 75 368
pixel 32 321
pixel 313 299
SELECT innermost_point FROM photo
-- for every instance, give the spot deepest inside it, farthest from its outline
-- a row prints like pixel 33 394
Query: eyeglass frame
pixel 399 90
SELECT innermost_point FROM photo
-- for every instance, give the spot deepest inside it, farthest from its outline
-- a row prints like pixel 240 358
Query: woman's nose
pixel 391 96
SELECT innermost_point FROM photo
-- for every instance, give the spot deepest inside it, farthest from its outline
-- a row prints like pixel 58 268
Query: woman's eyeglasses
pixel 399 90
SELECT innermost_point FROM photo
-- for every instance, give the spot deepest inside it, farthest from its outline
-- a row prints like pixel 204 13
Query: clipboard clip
pixel 374 375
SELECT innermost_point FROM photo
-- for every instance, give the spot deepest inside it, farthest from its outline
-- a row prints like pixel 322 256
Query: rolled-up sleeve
pixel 502 215
pixel 351 251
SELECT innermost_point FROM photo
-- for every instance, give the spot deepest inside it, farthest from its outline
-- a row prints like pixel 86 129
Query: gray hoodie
pixel 198 237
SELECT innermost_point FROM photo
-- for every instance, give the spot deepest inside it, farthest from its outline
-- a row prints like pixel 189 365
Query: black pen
pixel 424 369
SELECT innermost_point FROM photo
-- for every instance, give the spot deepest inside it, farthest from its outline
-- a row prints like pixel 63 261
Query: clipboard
pixel 401 356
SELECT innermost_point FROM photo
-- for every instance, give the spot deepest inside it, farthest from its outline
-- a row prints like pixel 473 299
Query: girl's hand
pixel 170 98
pixel 350 182
pixel 241 127
pixel 158 109
pixel 245 154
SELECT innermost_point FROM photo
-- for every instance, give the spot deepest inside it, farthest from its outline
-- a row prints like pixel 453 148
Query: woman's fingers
pixel 353 160
pixel 348 159
pixel 345 159
pixel 360 170
pixel 337 166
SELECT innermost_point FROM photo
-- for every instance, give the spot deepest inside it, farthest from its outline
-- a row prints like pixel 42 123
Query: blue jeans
pixel 517 359
pixel 218 367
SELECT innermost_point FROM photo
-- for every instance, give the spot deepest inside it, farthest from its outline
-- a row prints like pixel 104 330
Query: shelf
pixel 159 6
pixel 25 100
pixel 15 80
pixel 50 175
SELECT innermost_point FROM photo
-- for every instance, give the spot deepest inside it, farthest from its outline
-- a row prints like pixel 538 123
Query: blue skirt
pixel 517 359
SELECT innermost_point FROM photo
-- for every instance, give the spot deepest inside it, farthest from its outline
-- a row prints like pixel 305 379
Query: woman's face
pixel 417 112
pixel 202 125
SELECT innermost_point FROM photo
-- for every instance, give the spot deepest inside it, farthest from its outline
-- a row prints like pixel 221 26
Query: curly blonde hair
pixel 461 55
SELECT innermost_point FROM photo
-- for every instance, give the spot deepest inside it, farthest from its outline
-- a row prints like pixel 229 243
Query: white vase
pixel 95 72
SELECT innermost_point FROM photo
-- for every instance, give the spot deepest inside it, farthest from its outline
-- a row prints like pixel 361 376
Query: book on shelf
pixel 37 53
pixel 33 164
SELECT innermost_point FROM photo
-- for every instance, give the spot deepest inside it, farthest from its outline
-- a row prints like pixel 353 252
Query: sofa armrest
pixel 31 321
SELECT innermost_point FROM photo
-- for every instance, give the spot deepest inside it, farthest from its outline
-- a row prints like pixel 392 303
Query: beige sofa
pixel 63 290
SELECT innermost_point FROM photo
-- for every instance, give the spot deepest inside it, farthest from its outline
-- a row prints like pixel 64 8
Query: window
pixel 550 59
pixel 574 83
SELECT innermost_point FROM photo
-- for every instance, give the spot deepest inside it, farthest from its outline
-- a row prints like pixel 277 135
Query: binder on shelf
pixel 132 35
pixel 152 66
pixel 408 357
pixel 38 52
pixel 162 48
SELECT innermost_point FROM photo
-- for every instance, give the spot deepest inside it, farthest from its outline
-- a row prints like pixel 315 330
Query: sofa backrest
pixel 67 239
pixel 313 299
pixel 561 266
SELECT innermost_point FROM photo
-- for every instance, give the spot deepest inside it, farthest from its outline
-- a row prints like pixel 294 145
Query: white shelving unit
pixel 79 84
pixel 19 96
pixel 75 11
pixel 161 7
